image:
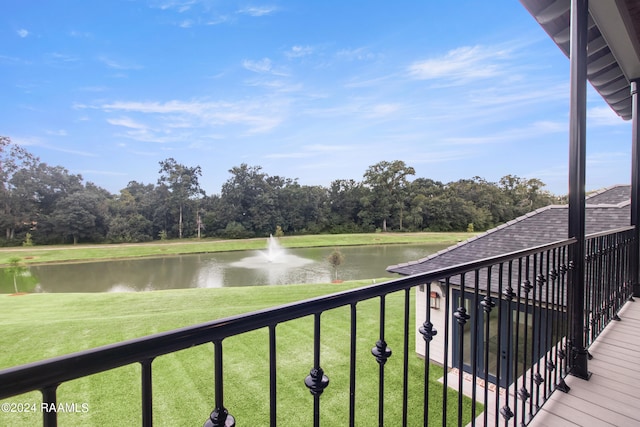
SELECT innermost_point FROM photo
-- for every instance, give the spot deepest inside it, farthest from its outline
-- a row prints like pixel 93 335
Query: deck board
pixel 612 396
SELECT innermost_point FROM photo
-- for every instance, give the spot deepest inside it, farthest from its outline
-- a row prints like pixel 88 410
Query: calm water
pixel 245 268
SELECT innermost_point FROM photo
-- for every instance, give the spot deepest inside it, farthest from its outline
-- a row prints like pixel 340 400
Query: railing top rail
pixel 608 232
pixel 32 376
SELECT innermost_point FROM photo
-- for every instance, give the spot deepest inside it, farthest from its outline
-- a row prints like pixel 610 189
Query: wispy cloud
pixel 257 10
pixel 298 51
pixel 603 116
pixel 12 60
pixel 275 85
pixel 58 132
pixel 534 130
pixel 80 34
pixel 126 122
pixel 179 5
pixel 22 33
pixel 118 65
pixel 263 66
pixel 166 118
pixel 57 58
pixel 357 54
pixel 39 142
pixel 604 158
pixel 462 65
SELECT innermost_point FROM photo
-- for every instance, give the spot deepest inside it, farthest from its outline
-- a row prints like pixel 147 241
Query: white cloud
pixel 257 10
pixel 298 51
pixel 80 34
pixel 179 5
pixel 358 54
pixel 461 65
pixel 603 116
pixel 606 158
pixel 111 63
pixel 126 122
pixel 60 58
pixel 534 130
pixel 167 118
pixel 263 65
pixel 23 33
pixel 382 110
pixel 58 132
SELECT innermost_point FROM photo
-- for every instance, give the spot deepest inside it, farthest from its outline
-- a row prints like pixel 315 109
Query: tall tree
pixel 388 181
pixel 242 193
pixel 182 182
pixel 78 215
pixel 14 207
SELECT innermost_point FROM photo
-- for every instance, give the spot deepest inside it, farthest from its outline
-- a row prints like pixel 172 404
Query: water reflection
pixel 221 270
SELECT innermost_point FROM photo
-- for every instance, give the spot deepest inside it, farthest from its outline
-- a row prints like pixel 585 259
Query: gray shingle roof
pixel 605 210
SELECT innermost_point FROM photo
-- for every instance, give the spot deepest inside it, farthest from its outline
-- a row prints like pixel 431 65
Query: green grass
pixel 38 326
pixel 78 253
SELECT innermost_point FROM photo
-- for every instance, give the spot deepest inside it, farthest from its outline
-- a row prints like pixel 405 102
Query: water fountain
pixel 274 251
pixel 273 257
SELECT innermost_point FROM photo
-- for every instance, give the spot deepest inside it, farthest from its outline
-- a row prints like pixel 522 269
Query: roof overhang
pixel 613 46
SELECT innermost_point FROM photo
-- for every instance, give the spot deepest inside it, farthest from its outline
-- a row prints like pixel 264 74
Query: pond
pixel 222 269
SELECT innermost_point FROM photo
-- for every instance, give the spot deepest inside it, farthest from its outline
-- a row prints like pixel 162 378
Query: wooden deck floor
pixel 611 397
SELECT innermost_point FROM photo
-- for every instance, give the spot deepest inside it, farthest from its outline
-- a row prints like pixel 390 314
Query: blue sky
pixel 314 90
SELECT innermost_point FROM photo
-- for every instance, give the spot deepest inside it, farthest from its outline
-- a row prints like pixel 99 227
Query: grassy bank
pixel 39 326
pixel 79 253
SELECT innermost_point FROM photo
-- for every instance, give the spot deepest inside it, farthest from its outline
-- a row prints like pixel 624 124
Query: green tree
pixel 75 216
pixel 387 182
pixel 15 206
pixel 183 184
pixel 336 258
pixel 248 201
pixel 345 202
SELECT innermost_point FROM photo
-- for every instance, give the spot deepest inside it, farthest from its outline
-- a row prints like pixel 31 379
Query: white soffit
pixel 619 33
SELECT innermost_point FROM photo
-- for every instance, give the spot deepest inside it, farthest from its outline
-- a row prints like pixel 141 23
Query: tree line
pixel 44 204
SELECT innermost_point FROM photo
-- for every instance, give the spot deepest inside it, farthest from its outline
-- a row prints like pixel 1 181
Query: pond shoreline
pixel 40 255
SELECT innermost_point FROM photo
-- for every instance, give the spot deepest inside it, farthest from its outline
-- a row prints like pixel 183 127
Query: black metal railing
pixel 608 281
pixel 501 334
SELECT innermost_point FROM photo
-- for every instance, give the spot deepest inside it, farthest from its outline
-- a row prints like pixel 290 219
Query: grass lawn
pixel 38 326
pixel 71 253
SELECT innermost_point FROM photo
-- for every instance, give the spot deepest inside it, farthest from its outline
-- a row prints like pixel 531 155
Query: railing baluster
pixel 220 417
pixel 352 367
pixel 475 323
pixel 273 389
pixel 381 353
pixel 147 393
pixel 316 381
pixel 50 400
pixel 563 350
pixel 447 329
pixel 542 350
pixel 405 358
pixel 487 305
pixel 509 295
pixel 501 314
pixel 461 317
pixel 516 352
pixel 428 332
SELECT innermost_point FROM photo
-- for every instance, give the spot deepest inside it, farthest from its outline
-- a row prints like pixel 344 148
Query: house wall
pixel 436 351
